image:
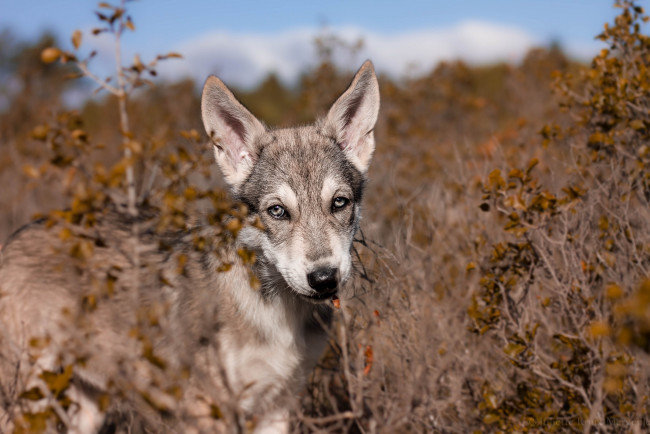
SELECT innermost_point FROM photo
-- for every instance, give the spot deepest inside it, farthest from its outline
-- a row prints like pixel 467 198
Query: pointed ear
pixel 232 129
pixel 353 117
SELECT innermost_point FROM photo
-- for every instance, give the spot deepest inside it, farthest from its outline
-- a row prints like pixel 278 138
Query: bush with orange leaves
pixel 563 293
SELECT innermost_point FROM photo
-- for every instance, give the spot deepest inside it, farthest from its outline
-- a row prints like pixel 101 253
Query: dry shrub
pixel 533 316
pixel 503 264
pixel 124 209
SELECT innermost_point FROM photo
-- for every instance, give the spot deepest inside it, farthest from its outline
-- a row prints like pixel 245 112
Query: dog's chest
pixel 266 354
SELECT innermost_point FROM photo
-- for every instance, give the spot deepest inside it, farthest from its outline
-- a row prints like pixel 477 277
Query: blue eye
pixel 339 203
pixel 277 212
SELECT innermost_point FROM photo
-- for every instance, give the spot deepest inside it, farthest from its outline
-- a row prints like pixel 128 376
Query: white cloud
pixel 472 41
pixel 243 59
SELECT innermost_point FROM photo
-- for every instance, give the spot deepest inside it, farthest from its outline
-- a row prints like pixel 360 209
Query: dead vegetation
pixel 505 254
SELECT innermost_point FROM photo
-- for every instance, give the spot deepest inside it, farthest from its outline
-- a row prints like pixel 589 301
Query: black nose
pixel 323 279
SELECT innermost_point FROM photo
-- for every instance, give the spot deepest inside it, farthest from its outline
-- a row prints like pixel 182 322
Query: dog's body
pixel 304 184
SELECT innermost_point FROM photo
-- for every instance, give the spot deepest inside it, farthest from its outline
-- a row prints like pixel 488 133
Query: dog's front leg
pixel 275 422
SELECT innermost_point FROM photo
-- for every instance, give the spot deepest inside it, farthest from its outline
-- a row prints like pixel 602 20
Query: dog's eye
pixel 339 203
pixel 276 211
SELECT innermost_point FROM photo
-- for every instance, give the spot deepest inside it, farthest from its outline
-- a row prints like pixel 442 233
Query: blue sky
pixel 243 39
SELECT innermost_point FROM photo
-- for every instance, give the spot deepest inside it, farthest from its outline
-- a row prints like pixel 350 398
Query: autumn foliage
pixel 504 260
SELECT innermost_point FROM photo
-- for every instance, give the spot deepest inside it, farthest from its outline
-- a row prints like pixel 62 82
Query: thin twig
pixel 124 119
pixel 115 91
pixel 332 418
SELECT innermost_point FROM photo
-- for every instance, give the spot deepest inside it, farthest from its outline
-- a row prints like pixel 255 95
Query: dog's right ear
pixel 353 117
pixel 232 129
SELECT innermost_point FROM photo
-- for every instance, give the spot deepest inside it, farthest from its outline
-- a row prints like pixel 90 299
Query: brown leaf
pixel 369 359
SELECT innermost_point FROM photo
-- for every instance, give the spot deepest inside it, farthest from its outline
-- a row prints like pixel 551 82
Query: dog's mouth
pixel 321 297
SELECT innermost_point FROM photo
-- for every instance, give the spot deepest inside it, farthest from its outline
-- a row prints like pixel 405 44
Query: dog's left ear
pixel 353 117
pixel 232 129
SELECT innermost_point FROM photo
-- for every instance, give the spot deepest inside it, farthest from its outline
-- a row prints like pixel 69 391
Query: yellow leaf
pixel 190 193
pixel 248 256
pixel 40 132
pixel 599 329
pixel 516 173
pixel 191 134
pixel 65 234
pixel 224 268
pixel 233 225
pixel 182 260
pixel 76 39
pixel 137 63
pixel 37 422
pixel 215 412
pixel 33 394
pixel 31 171
pixel 616 369
pixel 57 382
pixel 531 165
pixel 130 25
pixel 613 385
pixel 513 350
pixel 496 180
pixel 154 359
pixel 103 402
pixel 254 282
pixel 79 134
pixel 135 146
pixel 596 138
pixel 637 124
pixel 257 223
pixel 50 55
pixel 491 418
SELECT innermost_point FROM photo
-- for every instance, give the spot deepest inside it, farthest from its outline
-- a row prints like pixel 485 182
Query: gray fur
pixel 238 344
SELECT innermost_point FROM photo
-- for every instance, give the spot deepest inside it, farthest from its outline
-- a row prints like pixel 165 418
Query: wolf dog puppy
pixel 305 184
